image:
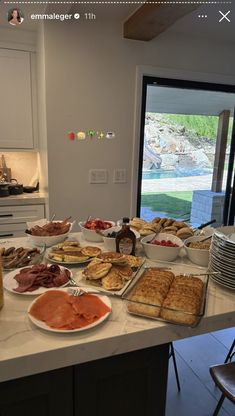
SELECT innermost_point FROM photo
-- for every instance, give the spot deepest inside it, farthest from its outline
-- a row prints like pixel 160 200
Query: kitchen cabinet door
pixel 134 383
pixel 47 394
pixel 21 214
pixel 16 100
pixel 13 219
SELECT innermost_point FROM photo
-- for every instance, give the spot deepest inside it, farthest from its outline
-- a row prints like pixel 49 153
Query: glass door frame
pixel 229 207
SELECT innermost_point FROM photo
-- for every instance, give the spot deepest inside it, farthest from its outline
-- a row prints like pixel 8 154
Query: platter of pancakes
pixel 70 252
pixel 175 294
pixel 111 272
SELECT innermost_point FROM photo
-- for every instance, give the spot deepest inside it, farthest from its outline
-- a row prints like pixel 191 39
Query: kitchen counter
pixel 23 199
pixel 26 349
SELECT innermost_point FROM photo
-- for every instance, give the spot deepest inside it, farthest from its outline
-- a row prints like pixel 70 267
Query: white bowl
pixel 49 240
pixel 110 242
pixel 197 255
pixel 206 232
pixel 92 235
pixel 162 253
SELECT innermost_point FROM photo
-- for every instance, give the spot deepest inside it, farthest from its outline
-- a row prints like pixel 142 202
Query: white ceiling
pixel 183 101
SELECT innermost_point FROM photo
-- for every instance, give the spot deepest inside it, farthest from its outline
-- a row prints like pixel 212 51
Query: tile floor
pixel 198 395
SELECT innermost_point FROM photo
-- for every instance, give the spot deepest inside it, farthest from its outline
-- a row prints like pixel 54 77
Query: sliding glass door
pixel 186 150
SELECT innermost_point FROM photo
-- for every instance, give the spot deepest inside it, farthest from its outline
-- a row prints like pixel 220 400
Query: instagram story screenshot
pixel 117 135
pixel 86 86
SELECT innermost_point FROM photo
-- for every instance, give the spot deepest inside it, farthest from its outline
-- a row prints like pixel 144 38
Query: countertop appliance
pixel 15 188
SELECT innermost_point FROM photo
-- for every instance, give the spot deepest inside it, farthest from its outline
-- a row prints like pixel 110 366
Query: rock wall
pixel 170 144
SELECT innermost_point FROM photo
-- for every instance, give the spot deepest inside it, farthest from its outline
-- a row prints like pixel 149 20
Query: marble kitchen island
pixel 121 363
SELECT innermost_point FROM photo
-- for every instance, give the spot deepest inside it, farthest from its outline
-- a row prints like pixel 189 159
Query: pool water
pixel 164 174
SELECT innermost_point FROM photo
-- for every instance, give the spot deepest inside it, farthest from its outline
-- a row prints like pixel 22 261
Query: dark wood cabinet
pixel 134 383
pixel 129 384
pixel 46 394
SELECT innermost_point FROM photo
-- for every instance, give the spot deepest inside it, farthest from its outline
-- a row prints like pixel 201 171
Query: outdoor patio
pixel 180 184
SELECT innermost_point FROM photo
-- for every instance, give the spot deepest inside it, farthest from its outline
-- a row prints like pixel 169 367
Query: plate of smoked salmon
pixel 57 310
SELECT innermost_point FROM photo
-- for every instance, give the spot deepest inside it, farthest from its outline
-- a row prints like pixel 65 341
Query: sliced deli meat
pixel 41 275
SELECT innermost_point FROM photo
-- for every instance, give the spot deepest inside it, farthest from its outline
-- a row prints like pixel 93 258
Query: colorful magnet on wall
pixel 81 135
pixel 91 133
pixel 110 135
pixel 71 135
pixel 100 135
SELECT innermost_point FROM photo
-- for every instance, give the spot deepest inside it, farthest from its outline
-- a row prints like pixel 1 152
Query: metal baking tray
pixel 97 284
pixel 152 311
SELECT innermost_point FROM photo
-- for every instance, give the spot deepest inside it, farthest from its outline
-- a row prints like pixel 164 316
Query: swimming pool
pixel 164 174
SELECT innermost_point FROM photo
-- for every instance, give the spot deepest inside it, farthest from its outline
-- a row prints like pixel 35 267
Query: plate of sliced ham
pixel 36 279
pixel 58 310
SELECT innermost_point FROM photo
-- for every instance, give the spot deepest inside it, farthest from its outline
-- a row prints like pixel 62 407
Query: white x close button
pixel 224 16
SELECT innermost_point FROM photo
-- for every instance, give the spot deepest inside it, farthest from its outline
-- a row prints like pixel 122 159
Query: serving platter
pixel 42 325
pixel 79 277
pixel 68 263
pixel 14 256
pixel 74 249
pixel 10 284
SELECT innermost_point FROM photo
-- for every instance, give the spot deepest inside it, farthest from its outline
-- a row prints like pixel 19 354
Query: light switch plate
pixel 119 176
pixel 98 176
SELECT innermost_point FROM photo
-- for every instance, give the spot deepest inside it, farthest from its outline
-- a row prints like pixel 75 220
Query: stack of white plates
pixel 222 256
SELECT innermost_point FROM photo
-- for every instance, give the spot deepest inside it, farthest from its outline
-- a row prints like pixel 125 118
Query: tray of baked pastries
pixel 175 294
pixel 110 272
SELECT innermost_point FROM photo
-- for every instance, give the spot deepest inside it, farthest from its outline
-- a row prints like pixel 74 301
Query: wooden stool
pixel 230 353
pixel 224 378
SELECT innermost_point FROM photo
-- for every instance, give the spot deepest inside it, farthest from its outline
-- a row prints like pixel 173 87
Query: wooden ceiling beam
pixel 152 19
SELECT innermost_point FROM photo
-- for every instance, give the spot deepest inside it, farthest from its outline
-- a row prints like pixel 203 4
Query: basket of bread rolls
pixel 164 225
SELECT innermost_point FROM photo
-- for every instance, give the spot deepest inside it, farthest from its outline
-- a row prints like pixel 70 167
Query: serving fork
pixel 79 292
pixel 200 274
pixel 71 282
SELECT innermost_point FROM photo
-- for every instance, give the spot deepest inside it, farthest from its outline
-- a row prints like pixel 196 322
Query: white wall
pixel 42 125
pixel 91 83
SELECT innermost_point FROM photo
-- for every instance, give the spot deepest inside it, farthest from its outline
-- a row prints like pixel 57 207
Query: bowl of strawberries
pixel 162 246
pixel 93 228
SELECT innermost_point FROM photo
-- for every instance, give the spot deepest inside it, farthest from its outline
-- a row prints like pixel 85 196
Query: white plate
pixel 69 263
pixel 222 283
pixel 9 283
pixel 224 276
pixel 222 265
pixel 42 324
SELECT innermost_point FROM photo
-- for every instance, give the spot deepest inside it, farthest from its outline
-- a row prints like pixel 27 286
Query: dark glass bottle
pixel 125 239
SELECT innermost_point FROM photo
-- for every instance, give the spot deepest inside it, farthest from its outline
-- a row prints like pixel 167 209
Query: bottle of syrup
pixel 1 287
pixel 125 239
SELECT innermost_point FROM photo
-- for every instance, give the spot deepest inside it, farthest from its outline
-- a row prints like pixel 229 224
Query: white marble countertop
pixel 26 349
pixel 23 199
